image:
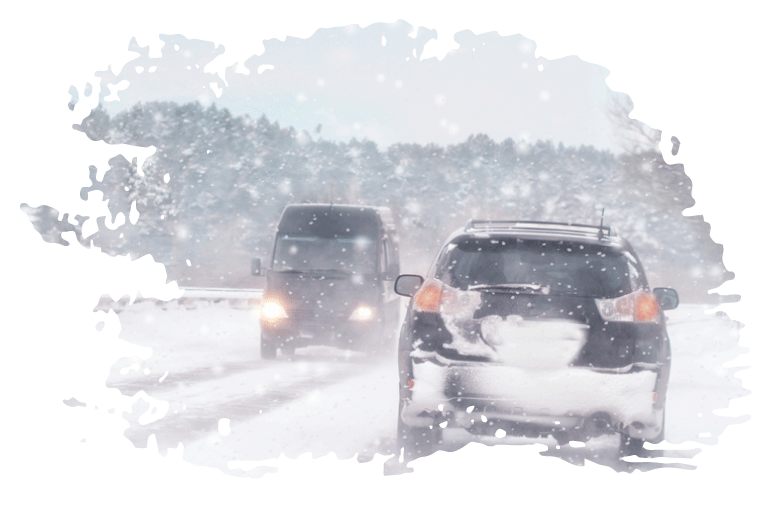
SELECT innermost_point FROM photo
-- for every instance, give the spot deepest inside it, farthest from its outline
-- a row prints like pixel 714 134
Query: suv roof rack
pixel 532 225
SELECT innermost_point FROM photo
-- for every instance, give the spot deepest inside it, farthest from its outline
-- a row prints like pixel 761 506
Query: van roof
pixel 333 219
pixel 328 206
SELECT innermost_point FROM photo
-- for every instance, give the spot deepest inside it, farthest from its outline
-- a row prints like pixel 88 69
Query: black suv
pixel 533 329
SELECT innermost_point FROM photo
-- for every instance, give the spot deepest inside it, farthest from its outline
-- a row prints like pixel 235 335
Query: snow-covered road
pixel 206 387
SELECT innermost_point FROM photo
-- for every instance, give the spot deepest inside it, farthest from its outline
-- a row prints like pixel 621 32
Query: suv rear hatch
pixel 537 303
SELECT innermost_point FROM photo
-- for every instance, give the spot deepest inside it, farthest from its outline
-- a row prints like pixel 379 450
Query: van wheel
pixel 268 349
pixel 287 349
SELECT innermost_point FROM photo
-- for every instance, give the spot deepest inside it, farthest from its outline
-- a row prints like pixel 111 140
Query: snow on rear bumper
pixel 554 399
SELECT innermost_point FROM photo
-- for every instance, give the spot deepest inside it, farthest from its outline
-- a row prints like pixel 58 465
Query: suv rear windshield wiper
pixel 511 287
pixel 316 271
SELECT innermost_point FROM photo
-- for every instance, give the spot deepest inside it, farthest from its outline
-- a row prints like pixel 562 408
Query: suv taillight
pixel 639 307
pixel 427 299
pixel 436 297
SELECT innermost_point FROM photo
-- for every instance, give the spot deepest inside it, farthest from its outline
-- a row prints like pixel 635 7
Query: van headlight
pixel 362 314
pixel 272 311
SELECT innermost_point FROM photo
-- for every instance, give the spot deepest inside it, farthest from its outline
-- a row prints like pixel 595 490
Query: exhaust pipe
pixel 598 424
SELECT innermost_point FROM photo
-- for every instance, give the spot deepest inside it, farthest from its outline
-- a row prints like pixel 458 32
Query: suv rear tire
pixel 418 441
pixel 630 445
pixel 659 438
pixel 634 446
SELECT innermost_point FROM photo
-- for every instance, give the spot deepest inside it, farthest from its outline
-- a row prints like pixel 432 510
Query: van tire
pixel 268 349
pixel 287 349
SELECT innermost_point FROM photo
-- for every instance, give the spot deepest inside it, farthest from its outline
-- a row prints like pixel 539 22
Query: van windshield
pixel 306 253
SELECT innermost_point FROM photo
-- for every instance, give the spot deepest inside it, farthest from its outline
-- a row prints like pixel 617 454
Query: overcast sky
pixel 370 83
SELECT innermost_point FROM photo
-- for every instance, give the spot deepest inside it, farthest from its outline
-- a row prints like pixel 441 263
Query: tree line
pixel 210 197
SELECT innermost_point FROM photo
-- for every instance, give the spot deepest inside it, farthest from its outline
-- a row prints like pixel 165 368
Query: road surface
pixel 206 387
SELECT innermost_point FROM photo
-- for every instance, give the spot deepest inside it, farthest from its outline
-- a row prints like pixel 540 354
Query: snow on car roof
pixel 603 235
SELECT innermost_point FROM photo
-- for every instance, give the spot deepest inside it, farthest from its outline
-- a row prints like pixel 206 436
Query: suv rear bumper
pixel 487 396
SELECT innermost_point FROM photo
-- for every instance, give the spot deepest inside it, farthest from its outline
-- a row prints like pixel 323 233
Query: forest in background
pixel 210 197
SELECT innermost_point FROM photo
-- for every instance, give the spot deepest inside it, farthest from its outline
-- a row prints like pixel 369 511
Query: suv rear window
pixel 565 268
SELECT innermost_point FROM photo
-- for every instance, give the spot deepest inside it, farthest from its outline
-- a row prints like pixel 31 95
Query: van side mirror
pixel 666 297
pixel 255 267
pixel 407 284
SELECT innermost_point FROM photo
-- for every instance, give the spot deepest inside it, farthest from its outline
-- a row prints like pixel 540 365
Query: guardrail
pixel 238 298
pixel 221 293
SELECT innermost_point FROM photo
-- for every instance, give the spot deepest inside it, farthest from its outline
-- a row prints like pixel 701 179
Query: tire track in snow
pixel 197 421
pixel 175 379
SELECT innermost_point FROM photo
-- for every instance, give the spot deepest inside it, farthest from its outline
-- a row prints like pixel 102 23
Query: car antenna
pixel 602 216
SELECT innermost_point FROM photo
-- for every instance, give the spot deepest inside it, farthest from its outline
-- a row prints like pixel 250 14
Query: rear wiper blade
pixel 315 271
pixel 330 271
pixel 511 287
